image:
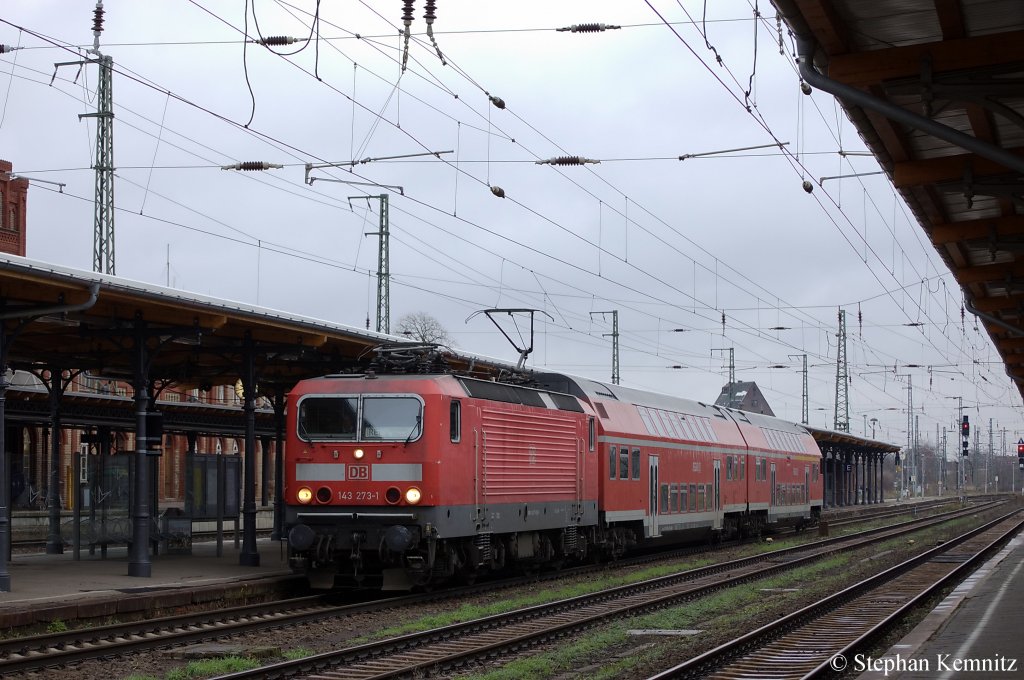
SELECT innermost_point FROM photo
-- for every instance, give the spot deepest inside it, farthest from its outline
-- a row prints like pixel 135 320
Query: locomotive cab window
pixel 591 433
pixel 399 418
pixel 455 420
pixel 377 418
pixel 328 418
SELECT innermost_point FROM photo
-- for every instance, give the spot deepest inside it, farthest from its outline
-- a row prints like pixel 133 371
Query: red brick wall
pixel 13 206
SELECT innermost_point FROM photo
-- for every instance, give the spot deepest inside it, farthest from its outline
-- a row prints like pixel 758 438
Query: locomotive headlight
pixel 358 453
pixel 304 495
pixel 412 495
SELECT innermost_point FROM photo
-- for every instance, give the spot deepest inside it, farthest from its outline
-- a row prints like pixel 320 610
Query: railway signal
pixel 1020 453
pixel 965 429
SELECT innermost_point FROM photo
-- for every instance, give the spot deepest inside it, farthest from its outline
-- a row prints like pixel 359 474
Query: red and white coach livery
pixel 411 479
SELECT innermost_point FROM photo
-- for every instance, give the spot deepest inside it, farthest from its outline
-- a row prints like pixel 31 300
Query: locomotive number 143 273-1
pixel 359 495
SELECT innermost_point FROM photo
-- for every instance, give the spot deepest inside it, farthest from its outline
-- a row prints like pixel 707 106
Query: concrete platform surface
pixel 47 587
pixel 976 632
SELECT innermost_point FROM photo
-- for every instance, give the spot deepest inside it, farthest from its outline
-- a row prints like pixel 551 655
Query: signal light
pixel 966 427
pixel 965 447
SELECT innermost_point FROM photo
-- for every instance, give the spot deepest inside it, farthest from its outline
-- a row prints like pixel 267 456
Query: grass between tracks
pixel 614 653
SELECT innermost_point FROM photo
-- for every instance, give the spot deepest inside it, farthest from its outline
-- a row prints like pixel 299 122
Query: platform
pixel 49 587
pixel 973 633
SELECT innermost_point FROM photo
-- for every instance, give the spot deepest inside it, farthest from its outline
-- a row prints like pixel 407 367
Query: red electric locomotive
pixel 402 480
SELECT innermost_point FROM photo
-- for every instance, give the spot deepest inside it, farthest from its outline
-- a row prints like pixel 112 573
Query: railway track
pixel 451 646
pixel 60 649
pixel 818 640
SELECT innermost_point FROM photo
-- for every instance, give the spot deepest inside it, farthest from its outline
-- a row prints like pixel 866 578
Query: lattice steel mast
pixel 103 218
pixel 842 420
pixel 383 266
pixel 615 342
pixel 383 271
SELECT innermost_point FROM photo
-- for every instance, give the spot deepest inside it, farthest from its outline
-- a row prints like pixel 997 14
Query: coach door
pixel 652 500
pixel 718 498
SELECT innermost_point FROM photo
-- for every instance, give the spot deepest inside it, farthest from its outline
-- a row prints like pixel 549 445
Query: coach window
pixel 624 463
pixel 693 497
pixel 728 467
pixel 700 498
pixel 675 498
pixel 455 420
pixel 612 461
pixel 682 498
pixel 664 499
pixel 636 463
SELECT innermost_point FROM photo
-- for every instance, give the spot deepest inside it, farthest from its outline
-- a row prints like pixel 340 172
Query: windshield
pixel 391 418
pixel 330 418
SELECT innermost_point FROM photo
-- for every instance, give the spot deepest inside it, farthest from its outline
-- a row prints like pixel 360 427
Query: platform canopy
pixel 54 316
pixel 936 90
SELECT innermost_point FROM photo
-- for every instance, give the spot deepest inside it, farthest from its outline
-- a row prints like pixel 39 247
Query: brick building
pixel 13 202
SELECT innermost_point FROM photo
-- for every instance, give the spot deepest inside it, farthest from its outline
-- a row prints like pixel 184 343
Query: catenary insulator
pixel 97 21
pixel 4 49
pixel 567 160
pixel 273 40
pixel 497 101
pixel 588 28
pixel 498 191
pixel 251 166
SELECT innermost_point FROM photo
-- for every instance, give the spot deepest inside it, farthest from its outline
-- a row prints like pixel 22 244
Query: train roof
pixel 595 391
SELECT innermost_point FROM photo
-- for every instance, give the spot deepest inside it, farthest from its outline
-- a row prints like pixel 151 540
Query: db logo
pixel 359 472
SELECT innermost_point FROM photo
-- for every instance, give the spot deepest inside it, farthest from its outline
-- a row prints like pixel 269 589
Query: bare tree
pixel 424 328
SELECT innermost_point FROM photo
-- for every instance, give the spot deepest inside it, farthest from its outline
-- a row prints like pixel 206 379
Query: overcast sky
pixel 670 244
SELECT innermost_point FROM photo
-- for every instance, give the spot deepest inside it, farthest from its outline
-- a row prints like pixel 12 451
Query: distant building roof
pixel 744 396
